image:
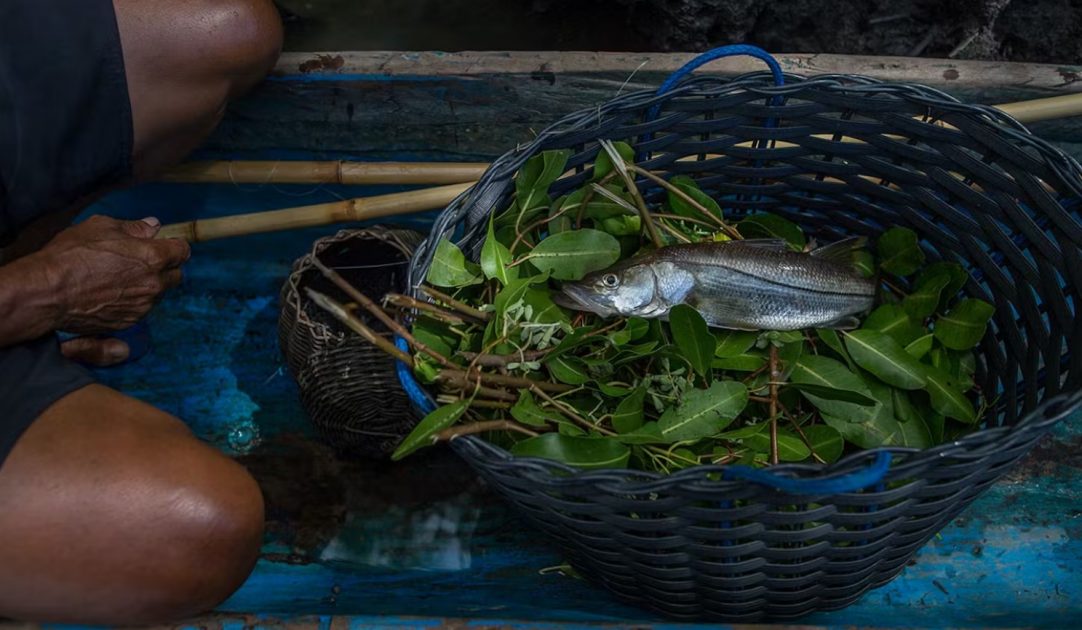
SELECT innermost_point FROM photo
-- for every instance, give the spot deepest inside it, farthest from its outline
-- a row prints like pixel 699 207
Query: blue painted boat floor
pixel 422 539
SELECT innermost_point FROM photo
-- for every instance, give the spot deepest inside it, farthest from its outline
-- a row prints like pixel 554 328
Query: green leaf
pixel 527 411
pixel 692 337
pixel 613 390
pixel 539 172
pixel 884 357
pixel 581 452
pixel 545 311
pixel 634 329
pixel 743 432
pixel 450 268
pixel 733 343
pixel 946 399
pixel 883 429
pixel 772 226
pixel 830 393
pixel 495 258
pixel 825 442
pixel 424 433
pixel 690 187
pixel 904 409
pixel 434 334
pixel 622 225
pixel 957 274
pixel 965 325
pixel 826 372
pixel 899 252
pixel 790 447
pixel 864 263
pixel 572 255
pixel 956 366
pixel 629 414
pixel 649 433
pixel 740 363
pixel 832 340
pixel 603 165
pixel 924 300
pixel 704 412
pixel 569 370
pixel 920 346
pixel 893 320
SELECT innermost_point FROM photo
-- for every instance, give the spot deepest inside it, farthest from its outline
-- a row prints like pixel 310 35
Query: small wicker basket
pixel 348 387
pixel 841 156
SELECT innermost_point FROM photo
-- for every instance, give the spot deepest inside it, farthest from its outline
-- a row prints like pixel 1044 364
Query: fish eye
pixel 610 280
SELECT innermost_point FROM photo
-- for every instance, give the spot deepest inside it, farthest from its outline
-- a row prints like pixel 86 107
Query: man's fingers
pixel 96 352
pixel 165 253
pixel 146 228
pixel 172 278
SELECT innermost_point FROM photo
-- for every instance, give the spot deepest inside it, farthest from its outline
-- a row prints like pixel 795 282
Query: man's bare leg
pixel 113 513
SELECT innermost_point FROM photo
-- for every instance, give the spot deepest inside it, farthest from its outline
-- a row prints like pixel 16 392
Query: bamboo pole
pixel 351 173
pixel 461 174
pixel 440 173
pixel 349 210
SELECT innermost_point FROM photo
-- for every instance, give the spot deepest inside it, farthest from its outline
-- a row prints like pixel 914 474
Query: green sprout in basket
pixel 600 332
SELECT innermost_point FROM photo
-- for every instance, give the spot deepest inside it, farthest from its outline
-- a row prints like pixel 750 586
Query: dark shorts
pixel 65 133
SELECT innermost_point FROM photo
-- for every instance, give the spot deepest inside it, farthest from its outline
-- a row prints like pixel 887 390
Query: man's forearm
pixel 29 307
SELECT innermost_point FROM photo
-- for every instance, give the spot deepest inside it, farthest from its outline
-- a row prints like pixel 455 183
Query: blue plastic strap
pixel 851 482
pixel 413 389
pixel 734 50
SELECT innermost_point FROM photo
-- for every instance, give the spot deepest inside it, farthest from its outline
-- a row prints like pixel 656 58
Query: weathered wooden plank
pixel 979 75
pixel 478 105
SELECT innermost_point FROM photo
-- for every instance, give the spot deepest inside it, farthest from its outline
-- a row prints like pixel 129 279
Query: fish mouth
pixel 576 298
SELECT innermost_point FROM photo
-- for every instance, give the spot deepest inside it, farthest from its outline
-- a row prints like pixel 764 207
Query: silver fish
pixel 759 284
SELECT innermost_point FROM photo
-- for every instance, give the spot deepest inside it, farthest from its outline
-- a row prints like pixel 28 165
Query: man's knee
pixel 154 525
pixel 199 41
pixel 246 37
pixel 215 523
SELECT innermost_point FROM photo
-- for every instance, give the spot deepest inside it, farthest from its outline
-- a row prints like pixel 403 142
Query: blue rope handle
pixel 412 388
pixel 851 482
pixel 734 50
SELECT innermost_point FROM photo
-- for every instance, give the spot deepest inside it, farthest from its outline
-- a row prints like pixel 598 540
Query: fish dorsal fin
pixel 842 251
pixel 774 244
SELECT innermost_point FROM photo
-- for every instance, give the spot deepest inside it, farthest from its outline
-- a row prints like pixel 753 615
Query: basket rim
pixel 385 233
pixel 471 209
pixel 973 446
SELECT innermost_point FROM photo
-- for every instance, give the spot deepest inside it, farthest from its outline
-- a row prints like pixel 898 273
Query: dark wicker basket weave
pixel 839 155
pixel 348 387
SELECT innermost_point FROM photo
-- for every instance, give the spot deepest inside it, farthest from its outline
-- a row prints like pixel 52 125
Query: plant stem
pixel 588 196
pixel 803 436
pixel 483 427
pixel 488 392
pixel 660 181
pixel 480 404
pixel 502 360
pixel 408 303
pixel 340 313
pixel 468 379
pixel 455 304
pixel 677 217
pixel 571 413
pixel 376 311
pixel 773 404
pixel 671 230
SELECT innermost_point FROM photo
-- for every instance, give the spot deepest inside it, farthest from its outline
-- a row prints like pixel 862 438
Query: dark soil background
pixel 1047 31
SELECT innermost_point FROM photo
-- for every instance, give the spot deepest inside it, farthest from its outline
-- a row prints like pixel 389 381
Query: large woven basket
pixel 839 155
pixel 348 386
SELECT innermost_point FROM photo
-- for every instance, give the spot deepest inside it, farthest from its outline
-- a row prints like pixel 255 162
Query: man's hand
pixel 108 274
